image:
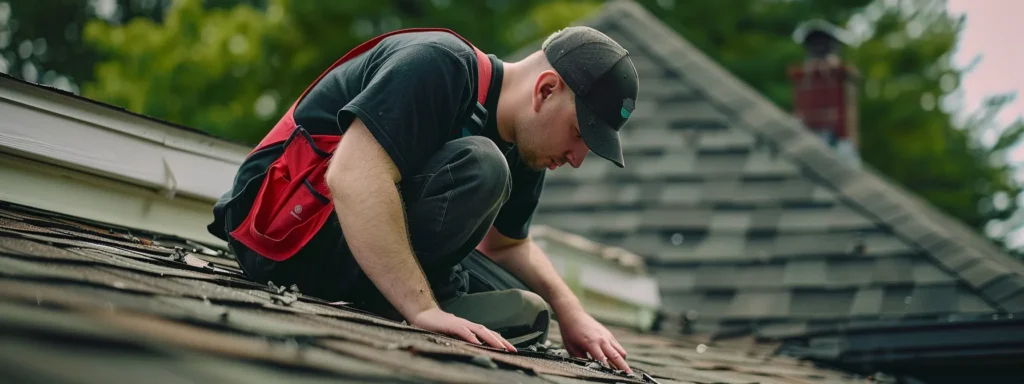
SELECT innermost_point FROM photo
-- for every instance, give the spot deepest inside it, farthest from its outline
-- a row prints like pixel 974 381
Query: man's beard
pixel 530 159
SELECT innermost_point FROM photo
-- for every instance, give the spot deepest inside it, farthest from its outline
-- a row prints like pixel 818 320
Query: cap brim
pixel 599 136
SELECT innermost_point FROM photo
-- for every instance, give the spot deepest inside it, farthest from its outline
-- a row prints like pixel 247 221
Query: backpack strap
pixel 478 119
pixel 483 64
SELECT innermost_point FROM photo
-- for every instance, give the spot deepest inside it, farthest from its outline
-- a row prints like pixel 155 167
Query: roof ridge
pixel 949 243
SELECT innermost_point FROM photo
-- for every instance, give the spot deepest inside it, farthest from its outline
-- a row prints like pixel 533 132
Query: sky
pixel 992 27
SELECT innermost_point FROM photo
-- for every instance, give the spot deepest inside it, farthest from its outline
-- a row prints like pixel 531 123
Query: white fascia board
pixel 598 275
pixel 58 189
pixel 616 257
pixel 637 289
pixel 60 129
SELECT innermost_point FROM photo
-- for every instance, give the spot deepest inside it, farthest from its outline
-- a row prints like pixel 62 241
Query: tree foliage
pixel 910 130
pixel 232 70
pixel 204 68
pixel 41 41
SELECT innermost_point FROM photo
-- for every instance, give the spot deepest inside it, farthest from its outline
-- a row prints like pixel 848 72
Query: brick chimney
pixel 824 87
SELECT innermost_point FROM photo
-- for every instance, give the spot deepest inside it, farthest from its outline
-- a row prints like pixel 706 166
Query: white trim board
pixel 63 130
pixel 49 187
pixel 580 267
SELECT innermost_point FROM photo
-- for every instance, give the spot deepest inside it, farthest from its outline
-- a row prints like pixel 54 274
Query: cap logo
pixel 627 108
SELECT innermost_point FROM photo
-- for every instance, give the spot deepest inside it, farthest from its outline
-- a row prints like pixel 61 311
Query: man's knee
pixel 532 304
pixel 486 166
pixel 533 320
pixel 520 316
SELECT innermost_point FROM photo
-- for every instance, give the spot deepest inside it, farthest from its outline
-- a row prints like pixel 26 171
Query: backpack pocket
pixel 294 201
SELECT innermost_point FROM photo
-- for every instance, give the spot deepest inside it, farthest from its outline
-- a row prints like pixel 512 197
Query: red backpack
pixel 294 202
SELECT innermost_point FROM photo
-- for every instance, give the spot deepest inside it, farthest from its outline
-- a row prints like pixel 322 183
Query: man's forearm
pixel 370 210
pixel 528 262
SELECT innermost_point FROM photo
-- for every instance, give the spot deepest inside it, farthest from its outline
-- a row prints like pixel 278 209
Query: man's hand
pixel 436 320
pixel 581 334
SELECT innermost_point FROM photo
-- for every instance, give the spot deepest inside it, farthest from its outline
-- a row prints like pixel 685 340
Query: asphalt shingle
pixel 867 302
pixel 828 303
pixel 806 273
pixel 1005 287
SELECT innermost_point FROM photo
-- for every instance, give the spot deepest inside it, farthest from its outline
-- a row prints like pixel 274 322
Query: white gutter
pixel 608 270
pixel 61 129
pixel 79 194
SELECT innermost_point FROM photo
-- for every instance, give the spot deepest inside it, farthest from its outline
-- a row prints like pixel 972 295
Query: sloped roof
pixel 85 302
pixel 751 222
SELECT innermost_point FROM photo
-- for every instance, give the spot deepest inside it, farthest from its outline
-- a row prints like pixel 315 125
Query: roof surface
pixel 751 222
pixel 109 304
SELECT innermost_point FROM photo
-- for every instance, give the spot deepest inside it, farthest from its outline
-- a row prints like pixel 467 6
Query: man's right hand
pixel 437 320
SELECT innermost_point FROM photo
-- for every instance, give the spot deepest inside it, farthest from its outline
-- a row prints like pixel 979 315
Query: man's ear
pixel 546 85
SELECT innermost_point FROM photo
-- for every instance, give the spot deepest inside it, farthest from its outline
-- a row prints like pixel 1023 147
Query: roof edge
pixel 47 187
pixel 619 257
pixel 43 97
pixel 75 134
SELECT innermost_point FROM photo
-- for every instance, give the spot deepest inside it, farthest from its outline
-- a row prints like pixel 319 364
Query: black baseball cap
pixel 604 81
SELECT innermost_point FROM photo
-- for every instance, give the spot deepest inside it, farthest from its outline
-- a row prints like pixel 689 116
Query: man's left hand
pixel 581 334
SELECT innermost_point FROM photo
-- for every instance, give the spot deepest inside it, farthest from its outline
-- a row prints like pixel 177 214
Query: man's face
pixel 550 136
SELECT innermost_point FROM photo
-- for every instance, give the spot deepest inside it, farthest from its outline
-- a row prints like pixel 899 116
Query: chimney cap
pixel 819 27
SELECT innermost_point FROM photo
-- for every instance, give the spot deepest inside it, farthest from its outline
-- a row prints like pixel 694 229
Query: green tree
pixel 212 69
pixel 909 78
pixel 41 41
pixel 233 69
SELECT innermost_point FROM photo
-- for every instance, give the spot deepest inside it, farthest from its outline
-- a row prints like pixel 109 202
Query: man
pixel 378 189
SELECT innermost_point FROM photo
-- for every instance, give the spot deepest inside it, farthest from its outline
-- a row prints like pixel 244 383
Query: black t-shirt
pixel 414 92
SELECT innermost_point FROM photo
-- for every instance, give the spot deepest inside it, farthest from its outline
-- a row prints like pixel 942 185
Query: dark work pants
pixel 450 204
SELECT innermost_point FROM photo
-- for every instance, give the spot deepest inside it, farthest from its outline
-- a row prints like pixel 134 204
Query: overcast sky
pixel 993 30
